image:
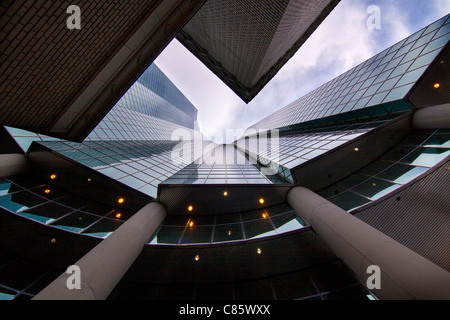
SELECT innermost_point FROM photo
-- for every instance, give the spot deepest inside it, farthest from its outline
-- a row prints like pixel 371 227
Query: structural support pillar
pixel 435 117
pixel 13 163
pixel 404 275
pixel 103 267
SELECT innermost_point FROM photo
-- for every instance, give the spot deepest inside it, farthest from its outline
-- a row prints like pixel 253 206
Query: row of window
pixel 155 80
pixel 415 155
pixel 386 77
pixel 290 150
pixel 205 229
pixel 52 206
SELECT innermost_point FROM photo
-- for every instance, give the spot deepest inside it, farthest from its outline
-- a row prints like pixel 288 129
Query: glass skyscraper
pixel 350 141
pixel 133 143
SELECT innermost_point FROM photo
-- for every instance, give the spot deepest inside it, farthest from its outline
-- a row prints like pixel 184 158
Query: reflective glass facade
pixel 229 231
pixel 140 164
pixel 224 164
pixel 155 80
pixel 413 156
pixel 381 80
pixel 297 147
pixel 133 144
pixel 341 110
pixel 350 106
pixel 55 207
pixel 206 229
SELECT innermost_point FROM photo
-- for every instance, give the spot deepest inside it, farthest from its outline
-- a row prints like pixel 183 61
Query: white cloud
pixel 213 99
pixel 341 42
pixel 442 6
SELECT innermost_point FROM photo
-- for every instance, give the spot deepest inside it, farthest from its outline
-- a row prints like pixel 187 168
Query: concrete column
pixel 435 117
pixel 13 163
pixel 405 275
pixel 103 267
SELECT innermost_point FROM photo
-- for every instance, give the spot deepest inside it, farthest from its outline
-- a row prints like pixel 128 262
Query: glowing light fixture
pixel 121 200
pixel 197 258
pixel 437 85
pixel 259 251
pixel 261 200
pixel 47 191
pixel 225 193
pixel 190 208
pixel 356 149
pixel 191 224
pixel 53 176
pixel 118 215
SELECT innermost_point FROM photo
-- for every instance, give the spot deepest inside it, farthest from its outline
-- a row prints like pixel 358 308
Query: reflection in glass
pixel 375 188
pixel 349 200
pixel 427 157
pixel 411 158
pixel 178 230
pixel 401 173
pixel 230 232
pixel 258 228
pixel 197 234
pixel 7 294
pixel 103 228
pixel 75 222
pixel 20 201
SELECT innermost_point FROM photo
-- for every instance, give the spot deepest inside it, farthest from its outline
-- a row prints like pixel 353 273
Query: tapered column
pixel 103 267
pixel 404 274
pixel 12 164
pixel 435 117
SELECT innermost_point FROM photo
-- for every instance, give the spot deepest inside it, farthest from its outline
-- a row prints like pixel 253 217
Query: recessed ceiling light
pixel 261 200
pixel 47 191
pixel 437 85
pixel 53 176
pixel 197 258
pixel 258 251
pixel 118 215
pixel 121 200
pixel 190 208
pixel 225 193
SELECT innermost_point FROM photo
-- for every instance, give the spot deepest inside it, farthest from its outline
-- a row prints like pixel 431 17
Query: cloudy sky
pixel 341 42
